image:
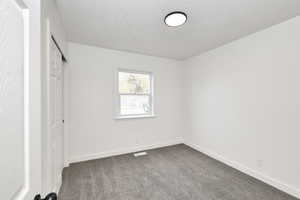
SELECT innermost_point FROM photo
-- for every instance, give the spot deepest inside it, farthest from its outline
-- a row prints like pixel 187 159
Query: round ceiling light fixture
pixel 176 18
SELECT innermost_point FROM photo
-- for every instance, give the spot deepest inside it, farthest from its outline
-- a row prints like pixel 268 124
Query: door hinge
pixel 51 196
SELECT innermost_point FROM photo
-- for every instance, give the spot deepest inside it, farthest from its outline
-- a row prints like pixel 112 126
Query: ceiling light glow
pixel 176 18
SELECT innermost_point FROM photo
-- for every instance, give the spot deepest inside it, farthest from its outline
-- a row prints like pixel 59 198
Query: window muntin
pixel 134 93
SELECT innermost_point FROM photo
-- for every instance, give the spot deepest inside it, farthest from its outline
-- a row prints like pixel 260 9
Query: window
pixel 135 96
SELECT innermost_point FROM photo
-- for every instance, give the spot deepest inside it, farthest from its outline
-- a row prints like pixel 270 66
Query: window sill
pixel 135 117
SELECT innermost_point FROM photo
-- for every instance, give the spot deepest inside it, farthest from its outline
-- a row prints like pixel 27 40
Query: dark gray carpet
pixel 171 173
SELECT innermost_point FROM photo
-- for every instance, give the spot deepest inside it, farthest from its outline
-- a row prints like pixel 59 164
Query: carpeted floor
pixel 170 173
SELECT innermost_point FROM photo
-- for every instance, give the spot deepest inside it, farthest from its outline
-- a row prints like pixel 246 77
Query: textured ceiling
pixel 138 26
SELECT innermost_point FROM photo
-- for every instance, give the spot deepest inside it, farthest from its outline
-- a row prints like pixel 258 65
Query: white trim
pixel 26 187
pixel 124 151
pixel 47 179
pixel 258 175
pixel 135 117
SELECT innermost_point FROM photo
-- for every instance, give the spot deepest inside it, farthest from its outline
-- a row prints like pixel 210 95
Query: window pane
pixel 134 104
pixel 134 83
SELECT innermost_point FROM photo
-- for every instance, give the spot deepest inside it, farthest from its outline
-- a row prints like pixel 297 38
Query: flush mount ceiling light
pixel 176 18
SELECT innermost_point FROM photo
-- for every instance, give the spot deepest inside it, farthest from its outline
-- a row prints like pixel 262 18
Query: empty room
pixel 149 100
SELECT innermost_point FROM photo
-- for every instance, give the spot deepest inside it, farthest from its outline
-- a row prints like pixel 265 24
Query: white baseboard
pixel 266 179
pixel 124 151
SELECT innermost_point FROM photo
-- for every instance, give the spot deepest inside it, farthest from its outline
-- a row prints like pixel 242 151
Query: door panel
pixel 12 66
pixel 56 116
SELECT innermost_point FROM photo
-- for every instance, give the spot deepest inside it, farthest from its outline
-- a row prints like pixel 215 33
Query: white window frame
pixel 118 99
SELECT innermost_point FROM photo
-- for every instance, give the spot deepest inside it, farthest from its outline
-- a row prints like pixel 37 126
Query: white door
pixel 56 116
pixel 19 163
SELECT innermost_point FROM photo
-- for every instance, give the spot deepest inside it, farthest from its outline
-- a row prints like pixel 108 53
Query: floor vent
pixel 140 154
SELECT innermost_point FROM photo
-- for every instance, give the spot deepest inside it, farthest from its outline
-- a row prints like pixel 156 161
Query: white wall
pixel 93 131
pixel 243 104
pixel 52 13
